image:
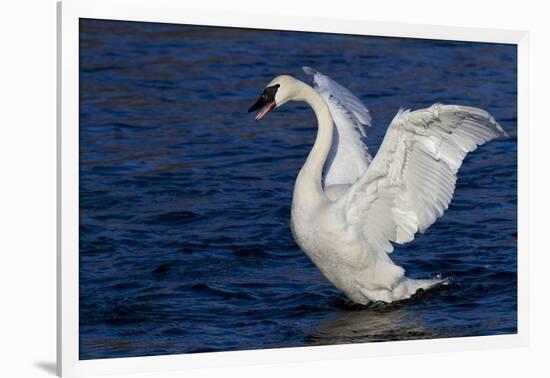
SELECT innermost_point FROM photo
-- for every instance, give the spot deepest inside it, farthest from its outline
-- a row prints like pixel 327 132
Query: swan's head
pixel 280 90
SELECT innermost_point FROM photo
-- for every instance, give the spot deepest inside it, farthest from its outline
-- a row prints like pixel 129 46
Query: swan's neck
pixel 309 181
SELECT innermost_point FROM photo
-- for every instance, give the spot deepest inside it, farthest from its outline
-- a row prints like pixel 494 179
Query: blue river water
pixel 185 243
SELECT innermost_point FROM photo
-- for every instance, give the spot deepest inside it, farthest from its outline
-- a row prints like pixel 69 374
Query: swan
pixel 348 207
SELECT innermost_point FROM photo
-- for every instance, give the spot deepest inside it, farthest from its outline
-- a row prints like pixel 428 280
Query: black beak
pixel 266 101
pixel 262 101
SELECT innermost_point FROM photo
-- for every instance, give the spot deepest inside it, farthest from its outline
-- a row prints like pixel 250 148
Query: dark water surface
pixel 185 243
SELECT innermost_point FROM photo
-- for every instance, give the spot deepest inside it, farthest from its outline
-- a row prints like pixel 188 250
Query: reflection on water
pixel 185 244
pixel 368 326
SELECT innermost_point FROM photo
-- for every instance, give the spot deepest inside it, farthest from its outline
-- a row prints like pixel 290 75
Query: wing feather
pixel 348 158
pixel 411 181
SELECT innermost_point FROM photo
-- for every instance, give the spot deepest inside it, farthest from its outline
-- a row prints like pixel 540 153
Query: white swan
pixel 348 208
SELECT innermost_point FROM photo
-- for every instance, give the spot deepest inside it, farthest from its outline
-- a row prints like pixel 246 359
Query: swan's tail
pixel 414 285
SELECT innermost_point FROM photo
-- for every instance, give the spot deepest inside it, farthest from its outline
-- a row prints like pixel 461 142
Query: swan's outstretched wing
pixel 411 180
pixel 348 157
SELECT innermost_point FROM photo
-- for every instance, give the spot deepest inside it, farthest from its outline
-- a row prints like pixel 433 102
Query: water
pixel 185 243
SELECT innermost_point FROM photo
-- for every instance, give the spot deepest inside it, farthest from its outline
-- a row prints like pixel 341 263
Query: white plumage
pixel 348 158
pixel 348 208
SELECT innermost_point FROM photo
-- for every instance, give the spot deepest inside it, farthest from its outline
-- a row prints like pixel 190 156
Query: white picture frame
pixel 69 12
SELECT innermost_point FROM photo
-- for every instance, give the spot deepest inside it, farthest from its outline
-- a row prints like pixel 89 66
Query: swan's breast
pixel 326 239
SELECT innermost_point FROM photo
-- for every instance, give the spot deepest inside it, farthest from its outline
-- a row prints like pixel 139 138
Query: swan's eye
pixel 269 92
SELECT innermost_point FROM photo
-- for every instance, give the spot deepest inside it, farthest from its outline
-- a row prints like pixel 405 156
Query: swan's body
pixel 348 208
